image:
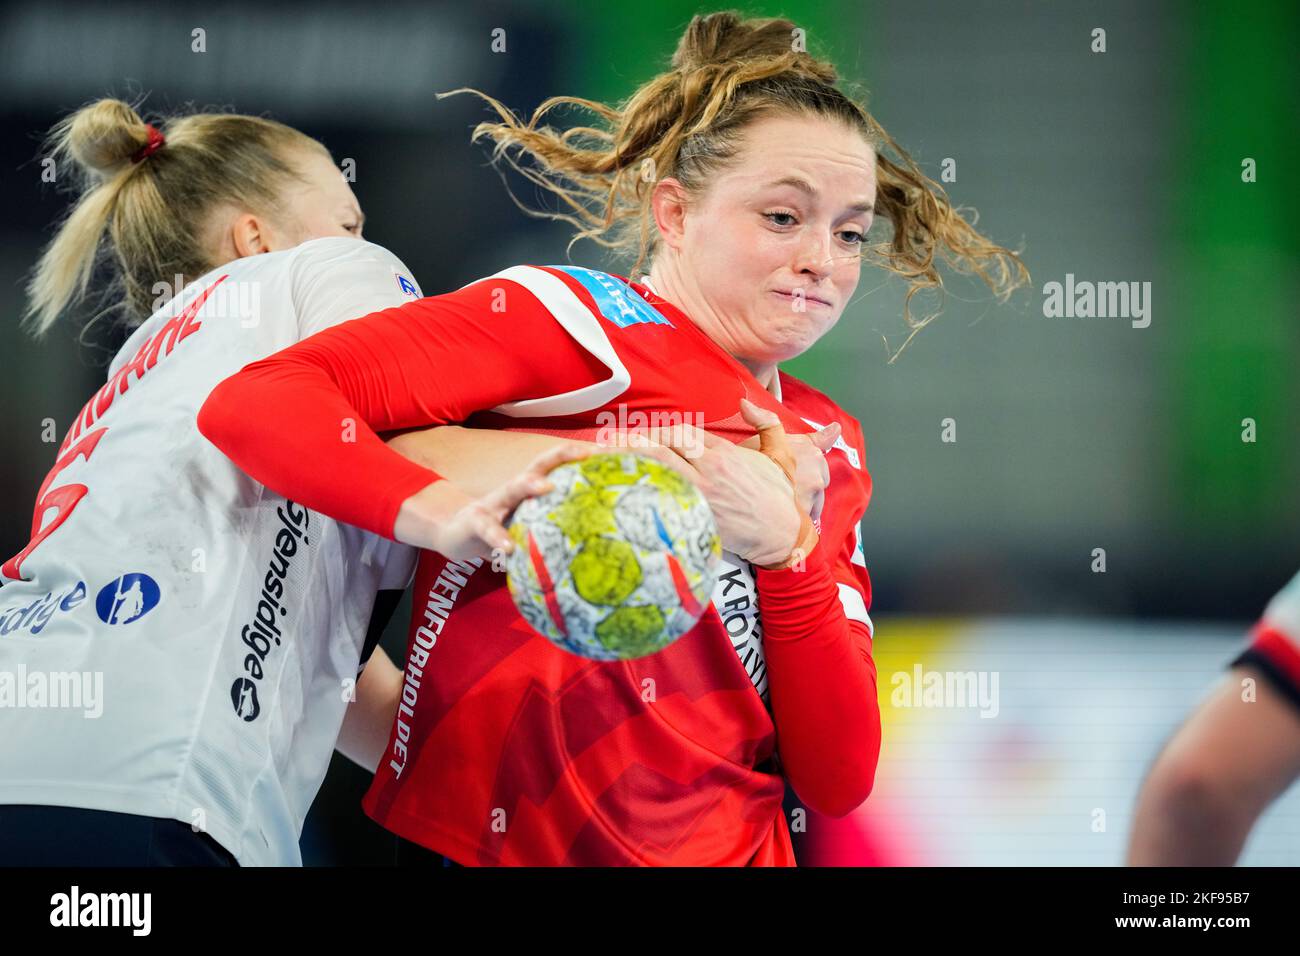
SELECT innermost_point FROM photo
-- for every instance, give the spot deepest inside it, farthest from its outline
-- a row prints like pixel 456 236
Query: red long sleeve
pixel 303 422
pixel 822 685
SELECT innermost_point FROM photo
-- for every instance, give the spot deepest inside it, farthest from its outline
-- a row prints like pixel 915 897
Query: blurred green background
pixel 1072 433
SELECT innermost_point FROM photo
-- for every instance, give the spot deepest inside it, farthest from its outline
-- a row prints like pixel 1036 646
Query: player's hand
pixel 751 499
pixel 774 443
pixel 445 519
pixel 811 472
pixel 638 441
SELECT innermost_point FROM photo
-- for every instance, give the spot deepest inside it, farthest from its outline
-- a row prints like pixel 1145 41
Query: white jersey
pixel 178 641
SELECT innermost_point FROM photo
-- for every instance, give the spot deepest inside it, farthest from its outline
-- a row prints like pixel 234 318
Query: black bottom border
pixel 933 904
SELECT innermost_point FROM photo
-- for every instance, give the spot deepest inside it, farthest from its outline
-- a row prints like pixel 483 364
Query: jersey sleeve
pixel 304 421
pixel 821 676
pixel 850 567
pixel 1274 643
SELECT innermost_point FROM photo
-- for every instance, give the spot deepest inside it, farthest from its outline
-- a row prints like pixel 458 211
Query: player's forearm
pixel 822 686
pixel 368 722
pixel 304 421
pixel 476 460
pixel 1184 819
pixel 1233 757
pixel 284 422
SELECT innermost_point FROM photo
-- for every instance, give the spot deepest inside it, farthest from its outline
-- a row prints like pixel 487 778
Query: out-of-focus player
pixel 1232 758
pixel 178 644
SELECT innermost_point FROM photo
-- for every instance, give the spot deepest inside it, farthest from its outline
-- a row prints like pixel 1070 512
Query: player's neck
pixel 662 286
pixel 766 374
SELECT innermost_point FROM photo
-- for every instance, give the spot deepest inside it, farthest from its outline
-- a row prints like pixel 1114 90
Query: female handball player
pixel 763 178
pixel 212 630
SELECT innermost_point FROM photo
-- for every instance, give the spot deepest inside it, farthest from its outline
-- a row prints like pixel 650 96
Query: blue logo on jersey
pixel 127 599
pixel 616 301
pixel 407 286
pixel 243 694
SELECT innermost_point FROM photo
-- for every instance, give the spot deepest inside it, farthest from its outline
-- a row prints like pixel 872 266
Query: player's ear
pixel 250 235
pixel 668 203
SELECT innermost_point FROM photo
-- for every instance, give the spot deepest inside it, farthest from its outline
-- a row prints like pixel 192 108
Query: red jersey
pixel 507 749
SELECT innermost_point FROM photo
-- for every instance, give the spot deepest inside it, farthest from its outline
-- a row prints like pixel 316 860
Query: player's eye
pixel 853 237
pixel 771 217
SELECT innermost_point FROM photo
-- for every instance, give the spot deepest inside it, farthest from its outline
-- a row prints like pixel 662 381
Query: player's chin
pixel 792 344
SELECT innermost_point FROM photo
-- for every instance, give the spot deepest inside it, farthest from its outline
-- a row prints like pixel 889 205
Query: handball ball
pixel 617 561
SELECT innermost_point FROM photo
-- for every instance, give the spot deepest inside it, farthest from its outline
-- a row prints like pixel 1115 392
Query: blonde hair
pixel 153 207
pixel 688 122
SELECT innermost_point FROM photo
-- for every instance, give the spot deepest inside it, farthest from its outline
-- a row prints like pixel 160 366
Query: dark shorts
pixel 410 854
pixel 72 836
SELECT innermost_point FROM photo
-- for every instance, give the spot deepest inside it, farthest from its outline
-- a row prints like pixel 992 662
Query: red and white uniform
pixel 1275 641
pixel 507 749
pixel 178 640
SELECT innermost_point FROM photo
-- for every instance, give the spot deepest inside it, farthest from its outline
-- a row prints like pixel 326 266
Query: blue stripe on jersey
pixel 616 301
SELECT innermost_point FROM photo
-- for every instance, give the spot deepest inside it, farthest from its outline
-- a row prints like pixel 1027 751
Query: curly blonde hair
pixel 687 123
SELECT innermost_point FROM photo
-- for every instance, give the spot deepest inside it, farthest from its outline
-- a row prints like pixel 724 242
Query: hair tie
pixel 156 141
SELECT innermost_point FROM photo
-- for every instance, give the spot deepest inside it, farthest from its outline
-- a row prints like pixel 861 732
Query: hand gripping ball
pixel 617 561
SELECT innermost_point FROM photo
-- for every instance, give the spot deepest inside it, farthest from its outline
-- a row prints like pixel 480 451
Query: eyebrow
pixel 803 186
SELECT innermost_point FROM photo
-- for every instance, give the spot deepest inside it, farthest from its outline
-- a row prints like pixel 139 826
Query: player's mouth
pixel 790 296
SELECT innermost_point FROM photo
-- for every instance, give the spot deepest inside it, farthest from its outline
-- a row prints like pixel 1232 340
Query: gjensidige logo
pixel 263 634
